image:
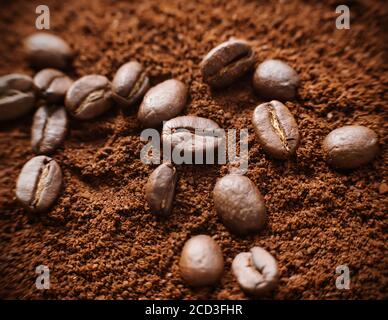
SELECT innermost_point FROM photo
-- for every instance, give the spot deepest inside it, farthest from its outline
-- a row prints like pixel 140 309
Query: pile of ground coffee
pixel 99 241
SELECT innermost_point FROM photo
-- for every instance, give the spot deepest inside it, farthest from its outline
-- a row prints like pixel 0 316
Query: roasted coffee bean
pixel 48 129
pixel 227 62
pixel 160 189
pixel 239 204
pixel 256 271
pixel 52 84
pixel 17 96
pixel 276 129
pixel 45 50
pixel 191 135
pixel 89 97
pixel 39 183
pixel 201 262
pixel 162 102
pixel 130 84
pixel 274 79
pixel 350 147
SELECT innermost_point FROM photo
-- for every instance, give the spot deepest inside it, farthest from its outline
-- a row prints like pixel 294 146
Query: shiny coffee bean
pixel 239 204
pixel 49 129
pixel 89 97
pixel 130 84
pixel 350 147
pixel 39 183
pixel 52 85
pixel 227 62
pixel 276 129
pixel 191 135
pixel 274 79
pixel 160 189
pixel 162 102
pixel 45 50
pixel 17 96
pixel 201 262
pixel 256 271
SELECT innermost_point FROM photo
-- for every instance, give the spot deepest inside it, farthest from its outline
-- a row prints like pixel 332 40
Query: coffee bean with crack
pixel 49 129
pixel 17 96
pixel 276 129
pixel 45 50
pixel 130 84
pixel 201 262
pixel 192 138
pixel 39 184
pixel 162 102
pixel 350 147
pixel 227 62
pixel 256 271
pixel 239 204
pixel 274 79
pixel 52 85
pixel 160 189
pixel 89 97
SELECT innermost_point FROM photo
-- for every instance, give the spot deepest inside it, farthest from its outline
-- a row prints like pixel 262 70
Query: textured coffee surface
pixel 94 240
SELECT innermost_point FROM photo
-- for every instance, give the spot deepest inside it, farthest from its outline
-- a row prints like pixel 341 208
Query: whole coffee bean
pixel 276 129
pixel 239 204
pixel 45 50
pixel 191 135
pixel 89 97
pixel 52 84
pixel 130 84
pixel 49 129
pixel 17 96
pixel 39 183
pixel 274 79
pixel 227 62
pixel 201 262
pixel 160 189
pixel 350 147
pixel 162 102
pixel 256 271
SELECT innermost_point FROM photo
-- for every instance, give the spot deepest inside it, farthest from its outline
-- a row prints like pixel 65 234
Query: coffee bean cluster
pixel 237 199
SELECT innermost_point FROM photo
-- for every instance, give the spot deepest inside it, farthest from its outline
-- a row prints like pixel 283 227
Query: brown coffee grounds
pixel 99 240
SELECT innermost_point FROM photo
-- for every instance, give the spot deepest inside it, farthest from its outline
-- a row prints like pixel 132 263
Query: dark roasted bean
pixel 350 147
pixel 48 129
pixel 17 96
pixel 162 102
pixel 191 135
pixel 239 204
pixel 276 129
pixel 45 50
pixel 227 62
pixel 201 262
pixel 52 84
pixel 160 189
pixel 130 84
pixel 256 271
pixel 89 97
pixel 274 79
pixel 39 183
